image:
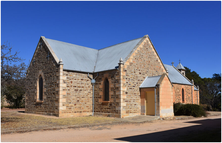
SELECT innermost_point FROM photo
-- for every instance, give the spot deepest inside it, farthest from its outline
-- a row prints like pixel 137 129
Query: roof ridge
pixel 182 74
pixel 97 55
pixel 71 44
pixel 119 43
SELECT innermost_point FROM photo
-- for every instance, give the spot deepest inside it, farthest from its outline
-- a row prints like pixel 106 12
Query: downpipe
pixel 93 81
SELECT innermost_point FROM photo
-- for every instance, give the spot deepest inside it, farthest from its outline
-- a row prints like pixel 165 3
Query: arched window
pixel 40 88
pixel 183 95
pixel 106 90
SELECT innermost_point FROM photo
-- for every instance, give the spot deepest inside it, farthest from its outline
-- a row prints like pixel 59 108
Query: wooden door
pixel 150 103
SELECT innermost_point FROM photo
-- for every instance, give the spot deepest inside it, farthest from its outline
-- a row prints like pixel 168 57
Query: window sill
pixel 105 102
pixel 39 101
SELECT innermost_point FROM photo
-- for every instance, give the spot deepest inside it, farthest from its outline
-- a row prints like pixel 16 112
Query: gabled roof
pixel 175 76
pixel 180 67
pixel 75 57
pixel 84 59
pixel 108 58
pixel 195 88
pixel 154 81
pixel 150 81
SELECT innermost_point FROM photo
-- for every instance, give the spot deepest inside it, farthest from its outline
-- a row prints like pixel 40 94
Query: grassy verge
pixel 13 121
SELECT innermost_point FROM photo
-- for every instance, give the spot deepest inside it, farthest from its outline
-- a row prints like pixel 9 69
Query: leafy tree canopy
pixel 12 76
pixel 210 88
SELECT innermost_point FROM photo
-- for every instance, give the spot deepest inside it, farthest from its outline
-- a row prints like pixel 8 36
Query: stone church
pixel 126 79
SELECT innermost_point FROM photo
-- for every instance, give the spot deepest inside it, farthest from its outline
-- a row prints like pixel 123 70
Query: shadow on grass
pixel 9 119
pixel 208 130
pixel 21 111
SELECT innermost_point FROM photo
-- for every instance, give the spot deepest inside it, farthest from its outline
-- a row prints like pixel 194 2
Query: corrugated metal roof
pixel 150 81
pixel 175 76
pixel 180 66
pixel 108 58
pixel 77 58
pixel 195 88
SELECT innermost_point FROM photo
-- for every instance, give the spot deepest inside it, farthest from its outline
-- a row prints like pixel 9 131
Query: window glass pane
pixel 40 88
pixel 106 90
pixel 182 95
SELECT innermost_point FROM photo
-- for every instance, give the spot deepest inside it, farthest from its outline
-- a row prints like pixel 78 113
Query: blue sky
pixel 189 31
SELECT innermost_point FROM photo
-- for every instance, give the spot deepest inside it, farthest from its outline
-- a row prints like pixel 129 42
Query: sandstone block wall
pixel 188 91
pixel 142 63
pixel 76 94
pixel 109 108
pixel 166 98
pixel 49 70
pixel 196 97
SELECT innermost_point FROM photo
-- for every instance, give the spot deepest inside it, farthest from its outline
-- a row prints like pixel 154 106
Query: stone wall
pixel 143 62
pixel 47 67
pixel 76 95
pixel 196 97
pixel 109 108
pixel 166 98
pixel 188 91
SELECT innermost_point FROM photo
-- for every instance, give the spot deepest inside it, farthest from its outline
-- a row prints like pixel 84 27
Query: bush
pixel 189 109
pixel 206 107
pixel 176 106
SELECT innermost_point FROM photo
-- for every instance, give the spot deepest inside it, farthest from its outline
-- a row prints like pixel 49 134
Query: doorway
pixel 150 103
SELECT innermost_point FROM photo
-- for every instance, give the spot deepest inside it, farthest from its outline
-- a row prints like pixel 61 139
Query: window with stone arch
pixel 182 95
pixel 106 90
pixel 40 88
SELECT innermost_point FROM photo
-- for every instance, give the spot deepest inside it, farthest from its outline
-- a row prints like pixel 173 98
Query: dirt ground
pixel 13 121
pixel 8 109
pixel 171 130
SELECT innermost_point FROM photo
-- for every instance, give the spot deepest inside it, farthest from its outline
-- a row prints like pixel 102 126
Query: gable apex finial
pixel 60 62
pixel 146 36
pixel 121 61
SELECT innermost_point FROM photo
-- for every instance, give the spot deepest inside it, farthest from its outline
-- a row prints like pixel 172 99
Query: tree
pixel 12 76
pixel 210 88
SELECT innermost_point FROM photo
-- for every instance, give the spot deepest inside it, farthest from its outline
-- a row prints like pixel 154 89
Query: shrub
pixel 176 106
pixel 206 107
pixel 189 109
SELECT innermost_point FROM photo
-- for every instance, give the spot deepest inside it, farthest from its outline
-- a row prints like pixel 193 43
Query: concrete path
pixel 159 130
